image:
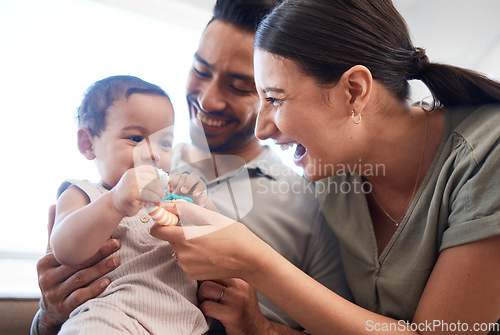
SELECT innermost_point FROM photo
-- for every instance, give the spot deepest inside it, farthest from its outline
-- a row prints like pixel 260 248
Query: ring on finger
pixel 221 294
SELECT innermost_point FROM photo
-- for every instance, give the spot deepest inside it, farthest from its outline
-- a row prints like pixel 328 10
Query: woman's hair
pixel 102 94
pixel 244 14
pixel 325 38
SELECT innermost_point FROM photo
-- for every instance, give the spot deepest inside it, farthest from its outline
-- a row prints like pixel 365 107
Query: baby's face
pixel 139 131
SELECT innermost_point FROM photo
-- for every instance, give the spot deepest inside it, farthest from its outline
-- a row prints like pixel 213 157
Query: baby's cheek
pixel 166 162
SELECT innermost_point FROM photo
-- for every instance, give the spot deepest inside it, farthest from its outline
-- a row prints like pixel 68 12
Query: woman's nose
pixel 265 127
pixel 211 98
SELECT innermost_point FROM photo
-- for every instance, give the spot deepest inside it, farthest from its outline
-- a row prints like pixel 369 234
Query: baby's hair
pixel 102 94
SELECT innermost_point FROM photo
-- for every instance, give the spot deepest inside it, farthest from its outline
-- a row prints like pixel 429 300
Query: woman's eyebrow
pixel 273 89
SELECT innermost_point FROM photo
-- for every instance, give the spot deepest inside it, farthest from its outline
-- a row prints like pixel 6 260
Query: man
pixel 246 181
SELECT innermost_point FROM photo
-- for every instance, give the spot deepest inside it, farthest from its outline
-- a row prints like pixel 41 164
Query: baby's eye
pixel 166 144
pixel 136 139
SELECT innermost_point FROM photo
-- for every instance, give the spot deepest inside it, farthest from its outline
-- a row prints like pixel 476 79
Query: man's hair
pixel 244 14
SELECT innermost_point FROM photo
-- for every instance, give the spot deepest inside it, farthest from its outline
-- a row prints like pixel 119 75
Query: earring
pixel 353 118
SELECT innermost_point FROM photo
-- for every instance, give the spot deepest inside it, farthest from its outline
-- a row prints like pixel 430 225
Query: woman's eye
pixel 136 139
pixel 273 101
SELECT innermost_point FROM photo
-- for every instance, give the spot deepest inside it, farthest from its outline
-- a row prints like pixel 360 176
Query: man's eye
pixel 200 73
pixel 136 138
pixel 240 90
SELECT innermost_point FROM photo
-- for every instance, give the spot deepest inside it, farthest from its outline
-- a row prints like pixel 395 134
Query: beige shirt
pixel 457 203
pixel 149 292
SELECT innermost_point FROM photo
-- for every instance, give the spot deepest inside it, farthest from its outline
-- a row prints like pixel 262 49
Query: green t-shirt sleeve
pixel 474 191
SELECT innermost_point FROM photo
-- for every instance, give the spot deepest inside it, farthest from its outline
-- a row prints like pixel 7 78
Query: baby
pixel 126 127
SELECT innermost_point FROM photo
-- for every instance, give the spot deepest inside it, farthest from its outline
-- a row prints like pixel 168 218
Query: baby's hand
pixel 192 186
pixel 135 186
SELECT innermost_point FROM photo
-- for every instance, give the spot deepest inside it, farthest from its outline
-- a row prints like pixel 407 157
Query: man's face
pixel 221 90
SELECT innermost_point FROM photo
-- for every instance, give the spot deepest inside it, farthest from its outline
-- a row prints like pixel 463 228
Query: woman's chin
pixel 312 177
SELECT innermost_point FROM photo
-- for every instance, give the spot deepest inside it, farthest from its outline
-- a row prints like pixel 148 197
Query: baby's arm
pixel 192 186
pixel 81 227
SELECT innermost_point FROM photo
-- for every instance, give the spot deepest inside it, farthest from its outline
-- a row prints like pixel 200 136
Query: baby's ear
pixel 85 143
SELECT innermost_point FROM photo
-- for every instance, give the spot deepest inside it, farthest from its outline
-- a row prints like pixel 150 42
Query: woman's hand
pixel 210 245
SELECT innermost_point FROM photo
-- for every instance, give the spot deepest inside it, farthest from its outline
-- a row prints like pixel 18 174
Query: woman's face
pixel 295 110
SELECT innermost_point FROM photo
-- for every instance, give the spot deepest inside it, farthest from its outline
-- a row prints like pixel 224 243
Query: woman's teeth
pixel 287 146
pixel 211 122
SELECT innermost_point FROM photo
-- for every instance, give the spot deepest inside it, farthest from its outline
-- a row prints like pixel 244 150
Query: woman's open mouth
pixel 299 153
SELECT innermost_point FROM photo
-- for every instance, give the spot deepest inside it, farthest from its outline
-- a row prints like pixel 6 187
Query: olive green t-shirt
pixel 457 203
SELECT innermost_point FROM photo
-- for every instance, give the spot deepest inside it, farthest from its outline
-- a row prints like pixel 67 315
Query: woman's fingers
pixel 196 221
pixel 172 234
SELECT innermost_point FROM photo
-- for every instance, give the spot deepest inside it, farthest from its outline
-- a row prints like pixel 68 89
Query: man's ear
pixel 358 80
pixel 85 143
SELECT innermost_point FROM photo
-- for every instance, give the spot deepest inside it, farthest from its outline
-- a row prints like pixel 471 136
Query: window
pixel 52 50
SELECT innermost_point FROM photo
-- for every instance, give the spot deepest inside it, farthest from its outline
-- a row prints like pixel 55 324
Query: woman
pixel 418 211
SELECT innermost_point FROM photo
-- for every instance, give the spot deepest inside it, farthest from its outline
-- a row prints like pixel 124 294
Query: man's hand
pixel 234 303
pixel 64 288
pixel 192 186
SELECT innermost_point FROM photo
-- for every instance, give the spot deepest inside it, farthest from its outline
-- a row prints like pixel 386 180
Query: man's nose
pixel 211 97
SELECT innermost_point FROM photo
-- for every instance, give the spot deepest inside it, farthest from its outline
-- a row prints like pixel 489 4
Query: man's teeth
pixel 211 122
pixel 287 146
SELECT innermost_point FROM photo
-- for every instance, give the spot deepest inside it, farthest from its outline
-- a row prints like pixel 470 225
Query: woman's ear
pixel 358 80
pixel 85 143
